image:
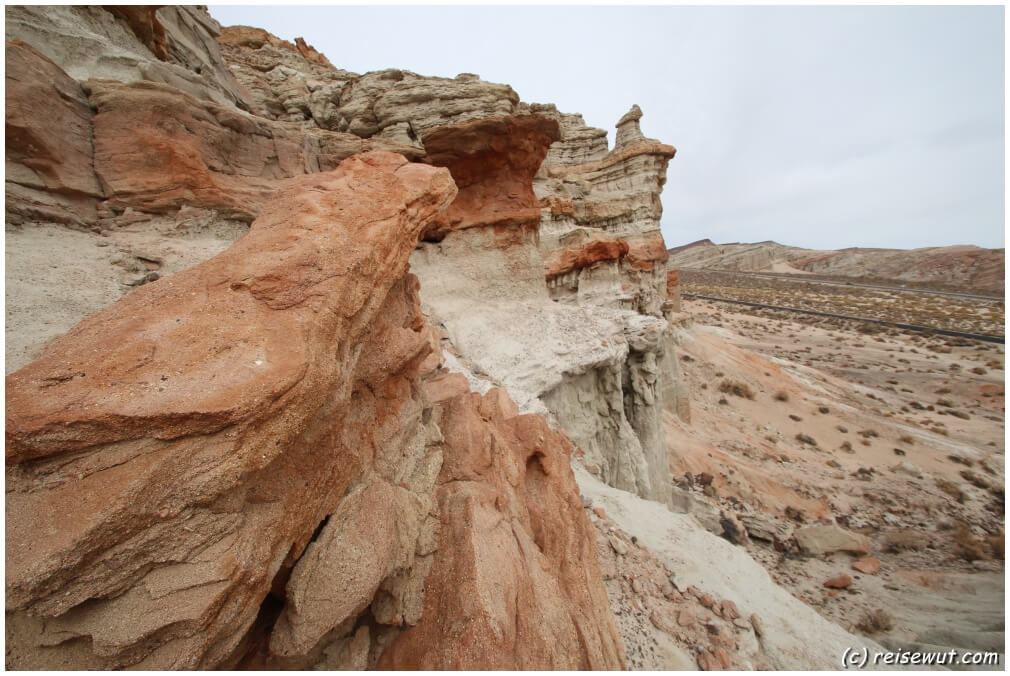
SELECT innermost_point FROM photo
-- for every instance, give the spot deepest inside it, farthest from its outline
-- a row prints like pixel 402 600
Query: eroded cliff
pixel 296 453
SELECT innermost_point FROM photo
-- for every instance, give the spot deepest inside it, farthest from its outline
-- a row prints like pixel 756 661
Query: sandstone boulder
pixel 818 540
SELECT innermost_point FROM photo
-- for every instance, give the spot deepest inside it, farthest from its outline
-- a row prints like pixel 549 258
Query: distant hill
pixel 963 266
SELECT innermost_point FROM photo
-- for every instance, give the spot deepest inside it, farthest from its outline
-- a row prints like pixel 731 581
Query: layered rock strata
pixel 172 45
pixel 595 370
pixel 587 234
pixel 600 195
pixel 303 408
pixel 258 462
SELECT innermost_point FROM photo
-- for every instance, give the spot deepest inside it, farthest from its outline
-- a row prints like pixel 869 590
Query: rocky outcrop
pixel 171 45
pixel 188 152
pixel 50 171
pixel 294 82
pixel 616 194
pixel 596 371
pixel 492 161
pixel 286 81
pixel 254 462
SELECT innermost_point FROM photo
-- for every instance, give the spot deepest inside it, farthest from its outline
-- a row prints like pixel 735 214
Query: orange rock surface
pixel 561 261
pixel 241 465
pixel 493 161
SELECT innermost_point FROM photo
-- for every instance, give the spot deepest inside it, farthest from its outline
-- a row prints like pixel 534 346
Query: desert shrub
pixel 806 439
pixel 875 621
pixel 736 388
pixel 868 434
pixel 723 401
pixel 966 545
pixel 943 390
pixel 997 545
pixel 978 370
pixel 959 414
pixel 794 417
pixel 842 429
pixel 946 403
pixel 686 358
pixel 781 395
pixel 847 447
pixel 974 479
pixel 823 409
pixel 950 488
pixel 905 541
pixel 906 439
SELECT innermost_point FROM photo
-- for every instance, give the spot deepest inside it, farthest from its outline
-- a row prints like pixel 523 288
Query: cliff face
pixel 297 453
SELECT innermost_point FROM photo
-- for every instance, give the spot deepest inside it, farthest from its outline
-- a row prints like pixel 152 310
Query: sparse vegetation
pixel 966 545
pixel 875 621
pixel 805 439
pixel 951 489
pixel 781 395
pixel 736 388
pixel 905 541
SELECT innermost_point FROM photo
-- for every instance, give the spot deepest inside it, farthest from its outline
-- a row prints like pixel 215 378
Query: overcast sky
pixel 822 127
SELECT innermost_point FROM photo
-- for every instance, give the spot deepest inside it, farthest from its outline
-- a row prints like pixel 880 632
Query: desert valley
pixel 307 368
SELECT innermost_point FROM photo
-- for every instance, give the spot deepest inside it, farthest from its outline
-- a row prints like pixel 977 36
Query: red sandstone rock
pixel 647 250
pixel 728 610
pixel 183 151
pixel 492 161
pixel 172 454
pixel 869 565
pixel 247 36
pixel 562 261
pixel 143 21
pixel 838 582
pixel 515 551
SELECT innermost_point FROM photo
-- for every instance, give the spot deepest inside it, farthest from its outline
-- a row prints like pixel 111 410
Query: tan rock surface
pixel 49 159
pixel 90 42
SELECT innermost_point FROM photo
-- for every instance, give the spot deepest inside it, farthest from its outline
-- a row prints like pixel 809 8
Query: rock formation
pixel 256 470
pixel 275 458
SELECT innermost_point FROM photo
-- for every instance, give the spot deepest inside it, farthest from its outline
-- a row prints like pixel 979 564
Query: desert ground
pixel 897 436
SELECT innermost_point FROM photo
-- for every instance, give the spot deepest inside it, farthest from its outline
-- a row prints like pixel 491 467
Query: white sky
pixel 822 127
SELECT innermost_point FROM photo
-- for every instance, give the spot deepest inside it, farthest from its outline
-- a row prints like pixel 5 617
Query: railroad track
pixel 907 327
pixel 797 278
